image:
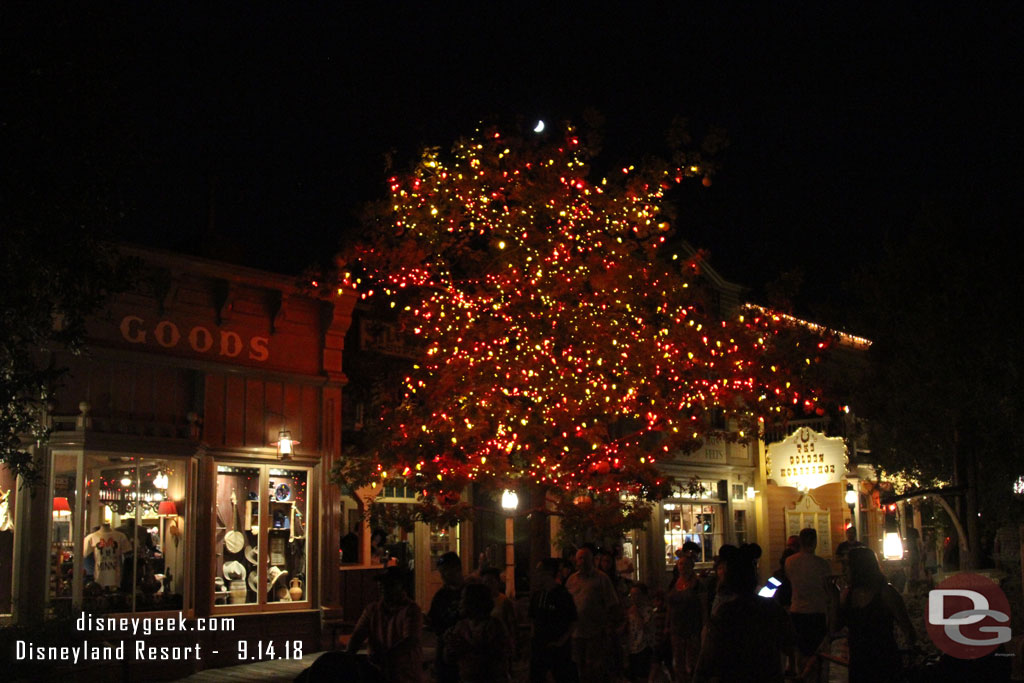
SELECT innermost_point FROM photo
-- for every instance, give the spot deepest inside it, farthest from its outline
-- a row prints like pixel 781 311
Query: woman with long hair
pixel 748 636
pixel 870 607
pixel 687 603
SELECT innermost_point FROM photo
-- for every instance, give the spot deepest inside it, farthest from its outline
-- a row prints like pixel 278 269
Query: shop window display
pixel 700 523
pixel 8 498
pixel 119 547
pixel 261 535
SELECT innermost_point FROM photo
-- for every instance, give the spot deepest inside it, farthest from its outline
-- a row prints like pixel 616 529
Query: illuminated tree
pixel 564 343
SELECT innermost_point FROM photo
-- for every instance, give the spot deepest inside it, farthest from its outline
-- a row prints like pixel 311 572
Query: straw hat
pixel 234 541
pixel 274 575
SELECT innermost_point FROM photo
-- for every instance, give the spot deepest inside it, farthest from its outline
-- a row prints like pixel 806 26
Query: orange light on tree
pixel 564 343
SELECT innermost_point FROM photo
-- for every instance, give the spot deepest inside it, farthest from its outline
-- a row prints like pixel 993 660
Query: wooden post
pixel 510 557
pixel 33 519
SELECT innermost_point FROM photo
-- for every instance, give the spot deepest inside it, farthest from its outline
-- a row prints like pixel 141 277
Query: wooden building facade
pixel 189 464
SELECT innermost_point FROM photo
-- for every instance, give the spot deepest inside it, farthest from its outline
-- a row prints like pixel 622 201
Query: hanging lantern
pixel 892 546
pixel 285 445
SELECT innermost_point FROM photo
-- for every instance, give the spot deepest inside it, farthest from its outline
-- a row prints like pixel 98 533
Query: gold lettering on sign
pixel 258 348
pixel 130 329
pixel 230 344
pixel 168 335
pixel 200 339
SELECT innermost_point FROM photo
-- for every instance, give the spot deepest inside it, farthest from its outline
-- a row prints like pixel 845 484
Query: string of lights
pixel 563 344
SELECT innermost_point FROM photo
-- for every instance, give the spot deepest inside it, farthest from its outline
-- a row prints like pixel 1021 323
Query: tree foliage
pixel 946 360
pixel 565 342
pixel 48 291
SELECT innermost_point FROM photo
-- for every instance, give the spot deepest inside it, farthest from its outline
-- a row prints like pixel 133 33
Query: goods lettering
pixel 201 340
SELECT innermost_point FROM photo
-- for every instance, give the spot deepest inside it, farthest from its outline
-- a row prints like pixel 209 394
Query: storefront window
pixel 8 497
pixel 66 503
pixel 237 510
pixel 262 531
pixel 697 522
pixel 287 557
pixel 739 526
pixel 131 555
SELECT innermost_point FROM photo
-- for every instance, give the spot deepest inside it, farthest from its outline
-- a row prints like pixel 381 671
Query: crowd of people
pixel 589 623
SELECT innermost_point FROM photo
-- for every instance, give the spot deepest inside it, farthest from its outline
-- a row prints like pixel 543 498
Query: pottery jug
pixel 237 593
pixel 296 589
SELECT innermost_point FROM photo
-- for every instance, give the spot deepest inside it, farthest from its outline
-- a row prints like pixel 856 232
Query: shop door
pixel 434 544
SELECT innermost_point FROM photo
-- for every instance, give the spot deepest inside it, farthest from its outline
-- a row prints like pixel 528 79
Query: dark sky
pixel 842 121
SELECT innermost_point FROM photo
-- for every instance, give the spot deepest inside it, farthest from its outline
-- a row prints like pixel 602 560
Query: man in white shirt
pixel 809 576
pixel 596 606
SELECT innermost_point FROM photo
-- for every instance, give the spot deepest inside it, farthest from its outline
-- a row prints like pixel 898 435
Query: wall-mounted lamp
pixel 285 445
pixel 168 508
pixel 126 480
pixel 751 493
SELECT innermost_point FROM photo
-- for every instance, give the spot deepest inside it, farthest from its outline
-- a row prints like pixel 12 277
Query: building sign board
pixel 167 334
pixel 807 459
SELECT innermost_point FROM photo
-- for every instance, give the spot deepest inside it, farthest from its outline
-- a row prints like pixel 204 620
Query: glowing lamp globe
pixel 892 546
pixel 509 500
pixel 851 496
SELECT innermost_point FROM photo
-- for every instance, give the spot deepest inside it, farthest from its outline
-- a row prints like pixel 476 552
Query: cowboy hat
pixel 274 575
pixel 234 570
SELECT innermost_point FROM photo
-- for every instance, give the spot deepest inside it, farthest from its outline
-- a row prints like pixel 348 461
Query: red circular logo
pixel 968 616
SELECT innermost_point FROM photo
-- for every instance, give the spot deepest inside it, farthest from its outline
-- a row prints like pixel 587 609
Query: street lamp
pixel 510 502
pixel 892 545
pixel 851 500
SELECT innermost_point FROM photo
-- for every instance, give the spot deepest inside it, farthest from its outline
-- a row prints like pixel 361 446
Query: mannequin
pixel 108 547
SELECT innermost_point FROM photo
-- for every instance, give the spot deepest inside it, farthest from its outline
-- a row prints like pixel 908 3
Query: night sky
pixel 254 134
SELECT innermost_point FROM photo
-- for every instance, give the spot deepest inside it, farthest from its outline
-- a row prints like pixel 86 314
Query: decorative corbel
pixel 225 294
pixel 165 288
pixel 279 305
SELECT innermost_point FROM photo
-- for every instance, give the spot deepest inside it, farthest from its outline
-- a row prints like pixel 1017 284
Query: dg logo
pixel 968 616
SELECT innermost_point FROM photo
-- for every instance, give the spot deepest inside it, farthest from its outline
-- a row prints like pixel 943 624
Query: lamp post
pixel 510 502
pixel 851 500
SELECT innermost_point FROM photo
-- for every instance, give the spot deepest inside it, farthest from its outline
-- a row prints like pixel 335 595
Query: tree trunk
pixel 965 471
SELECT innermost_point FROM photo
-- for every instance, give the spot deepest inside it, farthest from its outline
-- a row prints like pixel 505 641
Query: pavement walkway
pixel 280 670
pixel 277 671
